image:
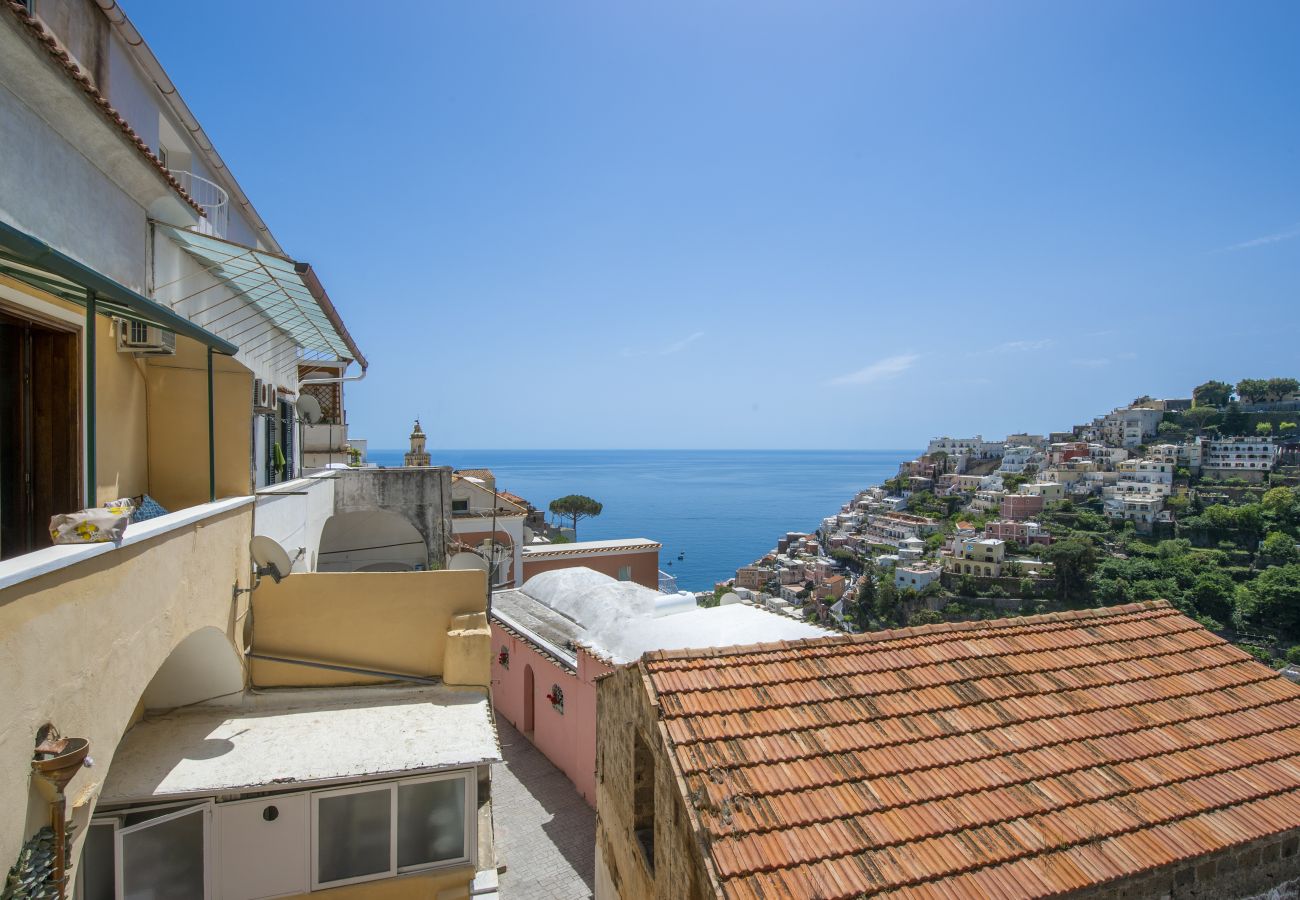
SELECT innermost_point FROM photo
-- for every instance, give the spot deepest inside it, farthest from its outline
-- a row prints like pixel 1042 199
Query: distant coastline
pixel 719 507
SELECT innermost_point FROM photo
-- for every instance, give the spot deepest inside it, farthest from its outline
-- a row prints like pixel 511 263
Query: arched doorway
pixel 371 541
pixel 528 699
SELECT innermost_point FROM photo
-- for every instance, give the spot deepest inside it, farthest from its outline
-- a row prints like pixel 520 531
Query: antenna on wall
pixel 271 558
pixel 308 409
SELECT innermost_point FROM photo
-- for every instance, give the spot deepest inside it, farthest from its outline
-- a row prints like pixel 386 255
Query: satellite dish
pixel 467 561
pixel 271 558
pixel 308 408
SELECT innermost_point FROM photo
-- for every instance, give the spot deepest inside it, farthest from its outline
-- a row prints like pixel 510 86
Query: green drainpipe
pixel 92 487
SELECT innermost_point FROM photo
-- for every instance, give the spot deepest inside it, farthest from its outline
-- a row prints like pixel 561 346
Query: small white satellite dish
pixel 271 558
pixel 467 561
pixel 308 408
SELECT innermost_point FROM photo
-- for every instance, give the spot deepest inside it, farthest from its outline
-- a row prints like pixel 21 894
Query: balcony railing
pixel 212 198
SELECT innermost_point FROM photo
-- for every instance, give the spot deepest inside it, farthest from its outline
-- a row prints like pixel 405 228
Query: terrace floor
pixel 545 832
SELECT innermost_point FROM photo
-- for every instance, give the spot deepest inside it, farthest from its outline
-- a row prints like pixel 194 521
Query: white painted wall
pixel 50 190
pixel 366 541
pixel 294 514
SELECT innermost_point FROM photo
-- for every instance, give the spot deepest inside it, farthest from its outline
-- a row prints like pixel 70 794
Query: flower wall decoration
pixel 556 698
pixel 504 657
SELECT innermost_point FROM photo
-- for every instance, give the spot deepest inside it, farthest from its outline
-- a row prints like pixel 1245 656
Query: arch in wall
pixel 201 667
pixel 529 692
pixel 371 541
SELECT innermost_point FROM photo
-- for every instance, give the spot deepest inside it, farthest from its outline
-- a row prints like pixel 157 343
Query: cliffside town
pixel 1192 500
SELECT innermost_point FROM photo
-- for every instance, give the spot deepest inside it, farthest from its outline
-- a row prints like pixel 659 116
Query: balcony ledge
pixel 51 559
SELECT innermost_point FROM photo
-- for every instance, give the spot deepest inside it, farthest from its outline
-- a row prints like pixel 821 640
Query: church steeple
pixel 417 456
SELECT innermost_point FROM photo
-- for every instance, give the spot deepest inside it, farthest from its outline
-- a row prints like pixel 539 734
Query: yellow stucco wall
pixel 121 468
pixel 468 658
pixel 386 621
pixel 151 413
pixel 81 644
pixel 417 886
pixel 178 426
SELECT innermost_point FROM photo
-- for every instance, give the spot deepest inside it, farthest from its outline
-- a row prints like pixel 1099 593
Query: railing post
pixel 92 485
pixel 212 438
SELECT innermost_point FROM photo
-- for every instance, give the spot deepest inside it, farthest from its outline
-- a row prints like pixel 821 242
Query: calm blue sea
pixel 721 508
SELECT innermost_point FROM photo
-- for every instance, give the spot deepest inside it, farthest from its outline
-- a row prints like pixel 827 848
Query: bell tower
pixel 417 456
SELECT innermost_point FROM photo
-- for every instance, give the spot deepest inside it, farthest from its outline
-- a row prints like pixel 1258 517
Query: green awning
pixel 36 263
pixel 272 284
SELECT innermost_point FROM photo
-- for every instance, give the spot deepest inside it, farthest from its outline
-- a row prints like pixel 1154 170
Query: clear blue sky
pixel 739 224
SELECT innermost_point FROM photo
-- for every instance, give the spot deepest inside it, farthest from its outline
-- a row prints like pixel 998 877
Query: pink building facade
pixel 523 675
pixel 554 637
pixel 1023 533
pixel 1021 506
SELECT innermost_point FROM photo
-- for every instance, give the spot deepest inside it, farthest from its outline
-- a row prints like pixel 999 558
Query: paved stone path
pixel 545 831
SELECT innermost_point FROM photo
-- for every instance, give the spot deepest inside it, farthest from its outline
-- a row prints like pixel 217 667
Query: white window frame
pixel 467 776
pixel 185 809
pixel 78 892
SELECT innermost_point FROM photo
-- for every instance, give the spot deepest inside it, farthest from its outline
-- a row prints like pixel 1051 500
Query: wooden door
pixel 40 433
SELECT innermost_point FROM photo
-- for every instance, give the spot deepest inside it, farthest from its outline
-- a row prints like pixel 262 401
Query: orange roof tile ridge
pixel 806 648
pixel 686 742
pixel 687 746
pixel 64 58
pixel 847 778
pixel 704 720
pixel 1141 823
pixel 822 677
pixel 670 680
pixel 1122 861
pixel 839 814
pixel 724 843
pixel 713 759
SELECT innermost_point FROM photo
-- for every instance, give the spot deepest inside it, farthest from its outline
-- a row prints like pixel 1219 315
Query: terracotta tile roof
pixel 590 548
pixel 61 56
pixel 1014 758
pixel 514 498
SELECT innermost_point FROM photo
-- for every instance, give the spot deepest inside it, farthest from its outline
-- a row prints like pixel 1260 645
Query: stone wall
pixel 624 713
pixel 421 495
pixel 1252 869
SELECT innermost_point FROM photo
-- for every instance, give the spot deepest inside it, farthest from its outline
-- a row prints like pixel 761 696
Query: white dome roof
pixel 622 619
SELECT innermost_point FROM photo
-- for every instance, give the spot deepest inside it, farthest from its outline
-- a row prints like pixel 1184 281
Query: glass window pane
pixel 165 861
pixel 430 822
pixel 95 877
pixel 352 835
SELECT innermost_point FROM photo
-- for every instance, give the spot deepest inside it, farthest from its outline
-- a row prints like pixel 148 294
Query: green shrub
pixel 1259 653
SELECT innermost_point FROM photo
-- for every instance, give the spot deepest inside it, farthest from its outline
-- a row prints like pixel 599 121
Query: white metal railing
pixel 211 197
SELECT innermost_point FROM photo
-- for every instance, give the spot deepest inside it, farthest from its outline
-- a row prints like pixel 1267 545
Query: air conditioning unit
pixel 263 396
pixel 144 340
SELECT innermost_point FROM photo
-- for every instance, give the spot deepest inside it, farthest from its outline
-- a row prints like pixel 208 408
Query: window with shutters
pixel 286 439
pixel 270 449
